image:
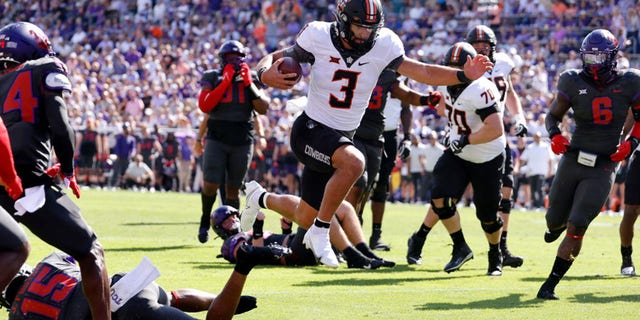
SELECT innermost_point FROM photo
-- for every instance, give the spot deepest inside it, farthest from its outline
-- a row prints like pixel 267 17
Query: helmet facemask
pixel 598 54
pixel 362 14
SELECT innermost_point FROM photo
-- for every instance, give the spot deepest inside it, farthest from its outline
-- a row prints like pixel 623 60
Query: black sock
pixel 233 203
pixel 376 226
pixel 503 239
pixel 207 205
pixel 494 247
pixel 321 224
pixel 366 251
pixel 560 267
pixel 458 238
pixel 261 201
pixel 626 251
pixel 423 231
pixel 351 254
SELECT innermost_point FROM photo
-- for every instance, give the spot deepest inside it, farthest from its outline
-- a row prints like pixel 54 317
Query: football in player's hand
pixel 290 65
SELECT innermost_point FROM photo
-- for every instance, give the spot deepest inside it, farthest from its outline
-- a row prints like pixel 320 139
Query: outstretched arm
pixel 433 74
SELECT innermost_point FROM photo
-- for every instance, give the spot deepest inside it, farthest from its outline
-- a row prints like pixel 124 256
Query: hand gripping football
pixel 290 65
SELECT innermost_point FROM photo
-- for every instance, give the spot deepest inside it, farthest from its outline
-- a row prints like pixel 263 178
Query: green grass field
pixel 163 227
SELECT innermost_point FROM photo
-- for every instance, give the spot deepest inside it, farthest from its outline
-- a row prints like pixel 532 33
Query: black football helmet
pixel 598 53
pixel 482 33
pixel 9 294
pixel 217 221
pixel 458 54
pixel 21 42
pixel 232 46
pixel 364 13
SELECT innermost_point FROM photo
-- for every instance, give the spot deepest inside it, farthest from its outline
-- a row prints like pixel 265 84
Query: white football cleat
pixel 254 190
pixel 317 240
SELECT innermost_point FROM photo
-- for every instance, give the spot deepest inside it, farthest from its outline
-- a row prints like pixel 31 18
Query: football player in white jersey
pixel 484 41
pixel 346 57
pixel 475 155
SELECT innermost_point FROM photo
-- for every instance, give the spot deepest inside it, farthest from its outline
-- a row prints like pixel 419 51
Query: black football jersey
pixel 372 123
pixel 231 121
pixel 53 291
pixel 599 112
pixel 36 117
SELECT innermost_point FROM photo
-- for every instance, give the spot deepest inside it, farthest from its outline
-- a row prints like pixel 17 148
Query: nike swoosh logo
pixel 362 63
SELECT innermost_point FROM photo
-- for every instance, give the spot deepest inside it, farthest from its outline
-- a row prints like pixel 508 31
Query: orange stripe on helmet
pixel 372 11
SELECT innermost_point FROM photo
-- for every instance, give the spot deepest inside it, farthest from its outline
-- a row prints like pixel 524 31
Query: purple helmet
pixel 217 221
pixel 229 246
pixel 598 53
pixel 231 46
pixel 21 42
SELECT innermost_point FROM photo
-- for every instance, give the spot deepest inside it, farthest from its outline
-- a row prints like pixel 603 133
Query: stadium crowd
pixel 137 65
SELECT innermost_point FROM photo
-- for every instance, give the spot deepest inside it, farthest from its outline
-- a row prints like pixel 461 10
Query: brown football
pixel 290 65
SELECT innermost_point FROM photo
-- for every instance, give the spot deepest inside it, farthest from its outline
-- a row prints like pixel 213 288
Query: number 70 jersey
pixel 464 119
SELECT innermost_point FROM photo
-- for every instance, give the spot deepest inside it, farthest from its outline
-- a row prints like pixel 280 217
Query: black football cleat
pixel 495 263
pixel 363 262
pixel 203 235
pixel 627 268
pixel 552 235
pixel 510 260
pixel 261 255
pixel 376 244
pixel 458 257
pixel 414 249
pixel 547 294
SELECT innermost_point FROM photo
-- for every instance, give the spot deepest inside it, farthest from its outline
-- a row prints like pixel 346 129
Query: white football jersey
pixel 339 94
pixel 463 118
pixel 500 73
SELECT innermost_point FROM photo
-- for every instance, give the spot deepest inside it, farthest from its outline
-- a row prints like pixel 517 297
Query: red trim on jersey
pixel 7 169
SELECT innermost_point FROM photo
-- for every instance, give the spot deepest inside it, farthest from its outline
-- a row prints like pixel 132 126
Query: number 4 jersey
pixel 36 116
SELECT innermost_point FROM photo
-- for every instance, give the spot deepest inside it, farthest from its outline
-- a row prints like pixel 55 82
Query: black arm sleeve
pixel 62 135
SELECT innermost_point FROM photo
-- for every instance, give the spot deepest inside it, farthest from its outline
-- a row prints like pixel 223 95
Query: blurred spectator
pixel 124 150
pixel 538 158
pixel 138 175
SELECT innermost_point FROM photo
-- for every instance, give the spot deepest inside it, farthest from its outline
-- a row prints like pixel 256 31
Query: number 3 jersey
pixel 341 81
pixel 462 112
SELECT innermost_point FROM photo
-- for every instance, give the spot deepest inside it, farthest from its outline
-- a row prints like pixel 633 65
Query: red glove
pixel 209 99
pixel 559 144
pixel 227 74
pixel 14 188
pixel 433 99
pixel 624 149
pixel 69 181
pixel 53 170
pixel 245 71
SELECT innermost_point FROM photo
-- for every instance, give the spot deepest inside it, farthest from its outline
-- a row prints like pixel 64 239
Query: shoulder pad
pixel 230 244
pixel 56 81
pixel 209 77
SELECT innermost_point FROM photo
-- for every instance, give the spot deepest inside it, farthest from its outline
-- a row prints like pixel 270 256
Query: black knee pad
pixel 492 226
pixel 505 206
pixel 447 211
pixel 379 193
